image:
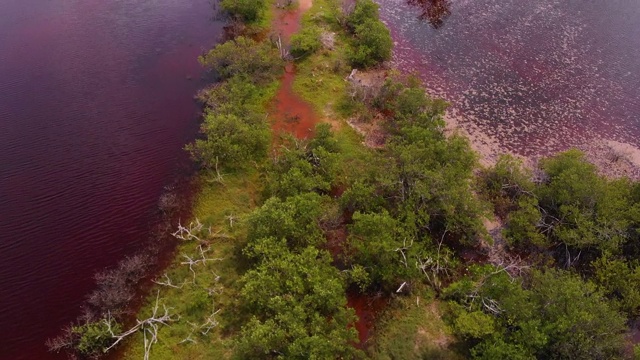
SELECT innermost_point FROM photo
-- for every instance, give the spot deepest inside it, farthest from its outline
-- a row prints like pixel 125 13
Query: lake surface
pixel 96 104
pixel 536 76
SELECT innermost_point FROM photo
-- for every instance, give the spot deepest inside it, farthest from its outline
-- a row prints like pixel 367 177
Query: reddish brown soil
pixel 367 309
pixel 291 113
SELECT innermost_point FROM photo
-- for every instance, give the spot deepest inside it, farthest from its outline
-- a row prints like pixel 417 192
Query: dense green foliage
pixel 297 302
pixel 620 280
pixel 554 315
pixel 301 167
pixel 234 129
pixel 424 184
pixel 306 42
pixel 326 216
pixel 570 217
pixel 372 43
pixel 363 11
pixel 94 337
pixel 258 61
pixel 231 140
pixel 571 209
pixel 246 10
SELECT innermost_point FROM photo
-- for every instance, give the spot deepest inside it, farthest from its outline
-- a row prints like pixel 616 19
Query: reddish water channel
pixel 291 114
pixel 96 104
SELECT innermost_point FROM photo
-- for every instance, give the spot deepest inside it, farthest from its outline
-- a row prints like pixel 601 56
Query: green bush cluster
pixel 293 294
pixel 306 42
pixel 258 61
pixel 235 131
pixel 552 314
pixel 571 208
pixel 248 11
pixel 371 40
pixel 92 338
pixel 415 200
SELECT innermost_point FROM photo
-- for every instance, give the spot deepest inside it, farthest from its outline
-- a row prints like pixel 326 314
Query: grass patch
pixel 411 328
pixel 215 284
pixel 321 75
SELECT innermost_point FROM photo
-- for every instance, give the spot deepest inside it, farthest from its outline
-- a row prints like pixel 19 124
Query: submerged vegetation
pixel 284 228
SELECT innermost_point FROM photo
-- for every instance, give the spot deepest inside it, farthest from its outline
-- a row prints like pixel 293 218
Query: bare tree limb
pixel 149 328
pixel 203 259
pixel 169 283
pixel 186 234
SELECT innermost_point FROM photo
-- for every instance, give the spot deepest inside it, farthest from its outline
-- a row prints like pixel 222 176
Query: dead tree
pixel 402 250
pixel 195 262
pixel 210 322
pixel 169 283
pixel 188 233
pixel 219 178
pixel 189 338
pixel 149 328
pixel 434 266
pixel 284 53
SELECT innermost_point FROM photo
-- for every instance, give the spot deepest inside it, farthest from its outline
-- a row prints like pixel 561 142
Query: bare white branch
pixel 168 283
pixel 188 233
pixel 189 338
pixel 231 219
pixel 149 327
pixel 203 259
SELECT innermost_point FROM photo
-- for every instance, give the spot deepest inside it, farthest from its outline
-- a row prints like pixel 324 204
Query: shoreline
pixel 243 190
pixel 613 159
pixel 528 141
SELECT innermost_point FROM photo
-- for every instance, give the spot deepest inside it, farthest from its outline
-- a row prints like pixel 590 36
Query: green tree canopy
pixel 372 44
pixel 363 11
pixel 231 141
pixel 246 10
pixel 294 219
pixel 258 61
pixel 553 315
pixel 298 304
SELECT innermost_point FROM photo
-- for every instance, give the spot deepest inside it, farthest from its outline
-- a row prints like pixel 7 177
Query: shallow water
pixel 537 76
pixel 96 104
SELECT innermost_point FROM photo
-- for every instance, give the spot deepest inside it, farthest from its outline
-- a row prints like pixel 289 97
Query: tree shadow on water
pixel 433 11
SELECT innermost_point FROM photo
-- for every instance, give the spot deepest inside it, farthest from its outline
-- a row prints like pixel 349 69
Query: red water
pixel 367 308
pixel 95 107
pixel 535 76
pixel 292 114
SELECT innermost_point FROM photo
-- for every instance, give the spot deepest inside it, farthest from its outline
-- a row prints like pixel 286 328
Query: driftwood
pixel 149 328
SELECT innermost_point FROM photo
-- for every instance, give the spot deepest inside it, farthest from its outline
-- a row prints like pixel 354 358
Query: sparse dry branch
pixel 210 322
pixel 149 327
pixel 403 249
pixel 189 338
pixel 231 219
pixel 169 283
pixel 195 262
pixel 188 233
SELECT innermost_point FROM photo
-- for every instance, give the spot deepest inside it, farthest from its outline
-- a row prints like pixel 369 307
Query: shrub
pixel 230 141
pixel 372 44
pixel 259 61
pixel 247 10
pixel 93 338
pixel 306 42
pixel 364 10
